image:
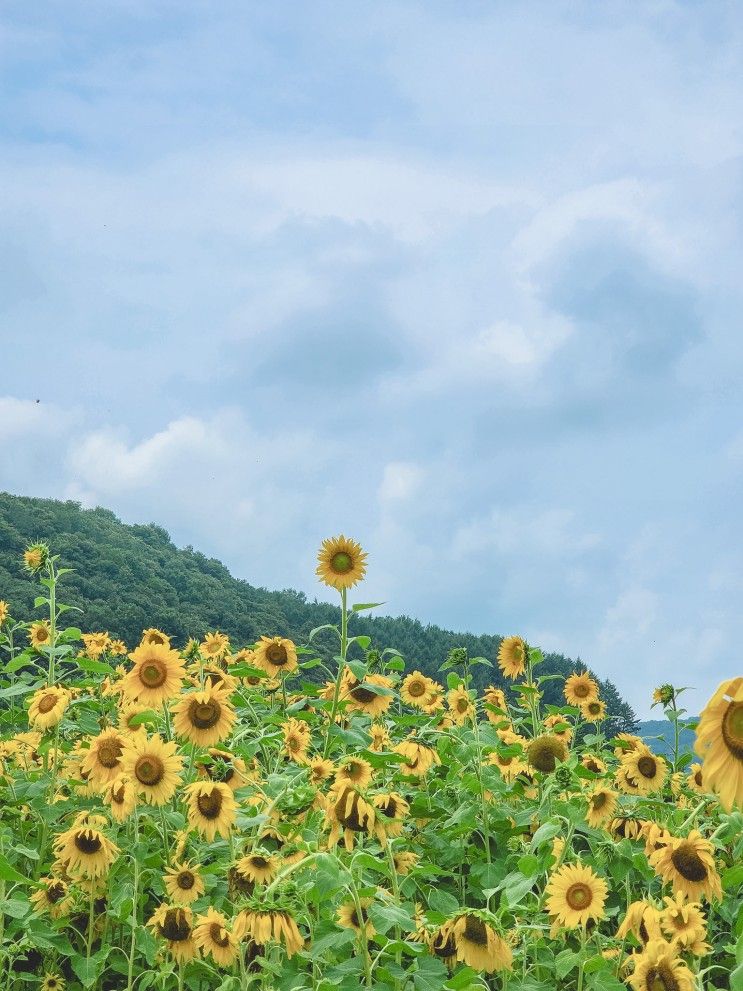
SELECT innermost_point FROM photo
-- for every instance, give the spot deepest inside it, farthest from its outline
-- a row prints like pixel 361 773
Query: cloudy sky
pixel 462 280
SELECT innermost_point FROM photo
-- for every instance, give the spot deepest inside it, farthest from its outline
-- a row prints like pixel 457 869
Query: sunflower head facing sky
pixel 341 562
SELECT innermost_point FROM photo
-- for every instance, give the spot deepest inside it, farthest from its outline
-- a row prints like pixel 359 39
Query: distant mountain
pixel 651 729
pixel 128 578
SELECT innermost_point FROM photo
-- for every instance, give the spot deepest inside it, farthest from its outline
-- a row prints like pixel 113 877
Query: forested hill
pixel 128 578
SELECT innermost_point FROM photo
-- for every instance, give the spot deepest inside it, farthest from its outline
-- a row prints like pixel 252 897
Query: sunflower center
pixel 42 634
pixel 260 862
pixel 218 934
pixel 443 947
pixel 416 689
pixel 390 808
pixel 354 771
pixel 661 979
pixel 277 655
pixel 109 753
pixel 688 863
pixel 153 674
pixel 578 896
pixel 698 778
pixel 581 690
pixel 363 695
pixel 175 926
pixel 47 703
pixel 88 842
pixel 118 794
pixel 594 708
pixel 647 767
pixel 149 770
pixel 732 729
pixel 204 715
pixel 349 818
pixel 155 638
pixel 462 705
pixel 185 880
pixel 341 563
pixel 55 892
pixel 544 753
pixel 599 801
pixel 210 805
pixel 591 765
pixel 475 931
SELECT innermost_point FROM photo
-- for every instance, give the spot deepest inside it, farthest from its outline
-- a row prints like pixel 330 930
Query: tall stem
pixel 339 674
pixel 52 620
pixel 135 892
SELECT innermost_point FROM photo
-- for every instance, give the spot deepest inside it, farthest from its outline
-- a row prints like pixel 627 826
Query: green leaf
pixel 319 629
pixel 467 977
pixel 528 865
pixel 8 872
pixel 362 606
pixel 40 600
pixel 732 878
pixel 442 901
pixel 14 907
pixel 547 831
pixel 94 667
pixel 517 890
pixel 736 979
pixel 359 669
pixel 565 962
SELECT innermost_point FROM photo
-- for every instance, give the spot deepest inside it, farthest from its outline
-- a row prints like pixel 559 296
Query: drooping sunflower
pixel 695 780
pixel 204 717
pixel 624 782
pixel 211 808
pixel 380 737
pixel 434 700
pixel 625 827
pixel 372 696
pixel 103 760
pixel 53 982
pixel 642 921
pixel 155 636
pixel 52 897
pixel 276 656
pixel 512 657
pixel 594 711
pixel 626 742
pixel 260 866
pixel 215 645
pixel 85 851
pixel 47 707
pixel 153 766
pixel 215 937
pixel 174 924
pixel 602 803
pixel 461 706
pixel 156 676
pixel 575 894
pixel 683 921
pixel 659 967
pixel 495 698
pixel 719 742
pixel 395 809
pixel 348 813
pixel 40 634
pixel 121 797
pixel 269 926
pixel 404 861
pixel 419 758
pixel 580 688
pixel 351 917
pixel 545 751
pixel 476 943
pixel 414 689
pixel 354 771
pixel 593 763
pixel 645 770
pixel 341 562
pixel 221 765
pixel 655 836
pixel 689 865
pixel 183 883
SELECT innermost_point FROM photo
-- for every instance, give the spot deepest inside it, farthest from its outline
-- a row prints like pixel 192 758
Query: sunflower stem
pixel 339 674
pixel 135 892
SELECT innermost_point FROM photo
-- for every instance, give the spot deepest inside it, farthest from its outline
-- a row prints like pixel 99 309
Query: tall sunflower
pixel 215 645
pixel 103 760
pixel 688 864
pixel 47 707
pixel 204 717
pixel 545 751
pixel 215 937
pixel 211 808
pixel 512 657
pixel 156 676
pixel 575 894
pixel 183 883
pixel 719 742
pixel 580 688
pixel 276 656
pixel 659 968
pixel 40 634
pixel 341 562
pixel 155 636
pixel 414 689
pixel 373 695
pixel 174 924
pixel 153 766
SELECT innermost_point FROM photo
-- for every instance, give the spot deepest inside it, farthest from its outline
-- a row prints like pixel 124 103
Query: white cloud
pixel 400 481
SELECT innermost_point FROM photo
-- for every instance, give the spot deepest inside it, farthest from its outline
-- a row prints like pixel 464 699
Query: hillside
pixel 651 729
pixel 128 578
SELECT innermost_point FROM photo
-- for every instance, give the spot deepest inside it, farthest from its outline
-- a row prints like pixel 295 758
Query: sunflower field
pixel 325 816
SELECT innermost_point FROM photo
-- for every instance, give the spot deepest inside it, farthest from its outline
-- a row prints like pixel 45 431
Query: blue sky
pixel 462 280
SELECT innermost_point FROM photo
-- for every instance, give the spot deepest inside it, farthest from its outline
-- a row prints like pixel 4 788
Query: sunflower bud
pixel 35 557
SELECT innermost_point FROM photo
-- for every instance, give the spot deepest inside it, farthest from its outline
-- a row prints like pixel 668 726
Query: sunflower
pixel 155 636
pixel 213 935
pixel 215 645
pixel 4 610
pixel 688 864
pixel 85 851
pixel 602 803
pixel 260 866
pixel 52 897
pixel 348 813
pixel 512 657
pixel 266 926
pixel 372 696
pixel 276 656
pixel 341 562
pixel 625 827
pixel 659 967
pixel 719 743
pixel 419 759
pixel 153 766
pixel 174 924
pixel 655 836
pixel 624 782
pixel 221 765
pixel 405 861
pixel 211 808
pixel 476 943
pixel 320 769
pixel 461 706
pixel 40 634
pixel 351 917
pixel 156 676
pixel 35 556
pixel 215 677
pixel 128 711
pixel 414 689
pixel 434 700
pixel 380 738
pixel 544 752
pixel 183 883
pixel 559 727
pixel 683 920
pixel 354 771
pixel 627 742
pixel 593 712
pixel 103 760
pixel 394 808
pixel 204 717
pixel 121 797
pixel 580 688
pixel 117 648
pixel 645 770
pixel 53 982
pixel 642 921
pixel 47 707
pixel 695 780
pixel 593 763
pixel 296 739
pixel 575 895
pixel 96 643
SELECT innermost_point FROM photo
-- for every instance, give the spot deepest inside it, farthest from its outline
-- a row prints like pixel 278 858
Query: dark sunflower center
pixel 210 805
pixel 688 863
pixel 578 896
pixel 155 638
pixel 698 778
pixel 185 880
pixel 204 715
pixel 175 926
pixel 260 862
pixel 599 801
pixel 475 931
pixel 390 808
pixel 341 563
pixel 591 765
pixel 47 703
pixel 349 818
pixel 544 753
pixel 118 794
pixel 88 842
pixel 594 708
pixel 443 947
pixel 462 705
pixel 581 690
pixel 354 771
pixel 277 655
pixel 661 979
pixel 416 689
pixel 647 767
pixel 218 934
pixel 42 634
pixel 362 695
pixel 149 770
pixel 109 753
pixel 732 729
pixel 153 674
pixel 55 892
